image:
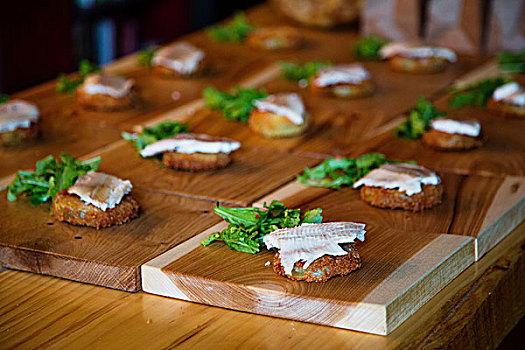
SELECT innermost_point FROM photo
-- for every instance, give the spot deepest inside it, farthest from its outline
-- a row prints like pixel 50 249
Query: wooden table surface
pixel 476 310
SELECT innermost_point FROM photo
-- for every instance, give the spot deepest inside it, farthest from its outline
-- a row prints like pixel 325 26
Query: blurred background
pixel 40 39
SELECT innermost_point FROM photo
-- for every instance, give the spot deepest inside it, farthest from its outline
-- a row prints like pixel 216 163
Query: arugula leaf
pixel 512 62
pixel 3 98
pixel 236 106
pixel 296 71
pixel 145 57
pixel 49 178
pixel 68 85
pixel 235 31
pixel 475 94
pixel 248 226
pixel 334 173
pixel 418 121
pixel 155 133
pixel 368 47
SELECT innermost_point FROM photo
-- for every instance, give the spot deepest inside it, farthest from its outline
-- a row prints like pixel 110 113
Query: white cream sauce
pixel 289 105
pixel 405 177
pixel 345 73
pixel 17 114
pixel 107 84
pixel 101 190
pixel 469 127
pixel 412 51
pixel 309 242
pixel 182 57
pixel 511 93
pixel 188 145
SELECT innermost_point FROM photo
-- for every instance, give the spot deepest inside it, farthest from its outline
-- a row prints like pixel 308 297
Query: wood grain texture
pixel 486 208
pixel 474 311
pixel 401 271
pixel 108 257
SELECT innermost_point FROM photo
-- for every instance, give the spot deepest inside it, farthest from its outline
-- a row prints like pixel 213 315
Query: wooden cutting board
pixel 32 240
pixel 401 271
pixel 483 207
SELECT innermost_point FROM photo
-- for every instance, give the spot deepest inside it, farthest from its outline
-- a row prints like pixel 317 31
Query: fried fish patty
pixel 444 141
pixel 273 125
pixel 323 268
pixel 348 91
pixel 102 102
pixel 418 64
pixel 166 72
pixel 275 38
pixel 430 195
pixel 195 161
pixel 20 135
pixel 506 109
pixel 71 209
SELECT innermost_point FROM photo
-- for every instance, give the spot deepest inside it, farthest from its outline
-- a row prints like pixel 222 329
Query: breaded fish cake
pixel 430 195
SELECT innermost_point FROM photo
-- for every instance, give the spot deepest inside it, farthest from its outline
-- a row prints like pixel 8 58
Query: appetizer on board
pixel 193 152
pixel 447 134
pixel 104 92
pixel 316 252
pixel 275 38
pixel 179 60
pixel 19 122
pixel 417 59
pixel 401 186
pixel 343 81
pixel 96 200
pixel 508 100
pixel 279 115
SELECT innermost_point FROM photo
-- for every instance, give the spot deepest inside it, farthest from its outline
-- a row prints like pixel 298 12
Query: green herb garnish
pixel 145 57
pixel 234 31
pixel 248 226
pixel 155 133
pixel 49 178
pixel 475 94
pixel 3 98
pixel 418 121
pixel 368 47
pixel 334 173
pixel 68 85
pixel 236 106
pixel 296 71
pixel 512 62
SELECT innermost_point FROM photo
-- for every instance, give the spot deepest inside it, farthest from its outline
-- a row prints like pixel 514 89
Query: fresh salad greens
pixel 512 62
pixel 145 57
pixel 418 121
pixel 49 178
pixel 367 48
pixel 155 133
pixel 3 98
pixel 297 72
pixel 236 106
pixel 475 94
pixel 234 31
pixel 68 85
pixel 248 226
pixel 337 172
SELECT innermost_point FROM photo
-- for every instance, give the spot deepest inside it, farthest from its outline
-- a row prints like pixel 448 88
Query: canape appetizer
pixel 179 60
pixel 401 186
pixel 193 152
pixel 19 122
pixel 279 115
pixel 275 38
pixel 508 100
pixel 343 81
pixel 417 59
pixel 316 252
pixel 104 92
pixel 96 200
pixel 453 135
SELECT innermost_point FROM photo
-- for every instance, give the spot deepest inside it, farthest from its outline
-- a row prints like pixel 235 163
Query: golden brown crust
pixel 443 141
pixel 165 72
pixel 275 38
pixel 322 269
pixel 195 161
pixel 347 91
pixel 430 195
pixel 418 65
pixel 20 135
pixel 71 209
pixel 506 110
pixel 272 125
pixel 103 103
